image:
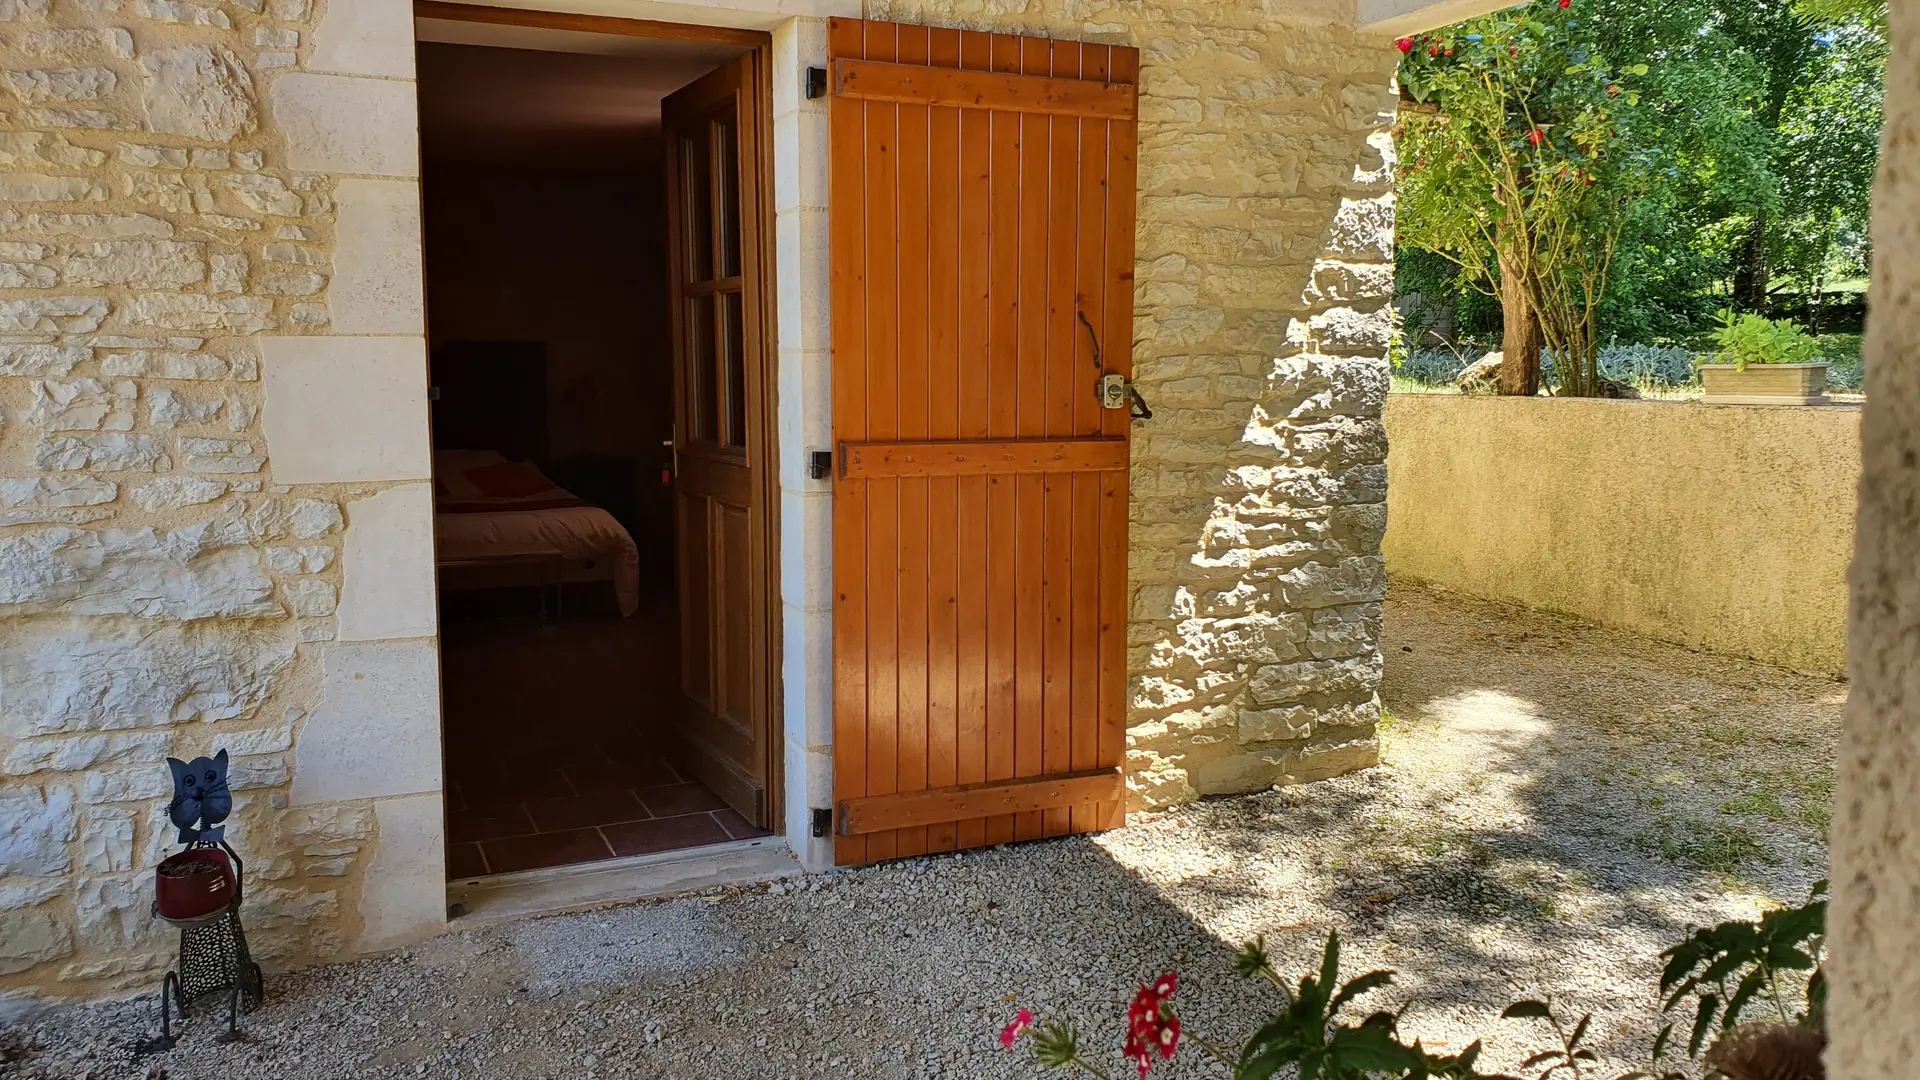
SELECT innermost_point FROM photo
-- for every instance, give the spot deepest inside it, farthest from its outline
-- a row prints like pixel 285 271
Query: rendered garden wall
pixel 1726 528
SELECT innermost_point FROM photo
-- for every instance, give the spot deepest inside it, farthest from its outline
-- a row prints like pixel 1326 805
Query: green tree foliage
pixel 1825 150
pixel 1524 170
pixel 1755 126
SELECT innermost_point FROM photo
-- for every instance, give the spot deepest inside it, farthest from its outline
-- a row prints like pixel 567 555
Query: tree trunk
pixel 1519 338
pixel 1750 281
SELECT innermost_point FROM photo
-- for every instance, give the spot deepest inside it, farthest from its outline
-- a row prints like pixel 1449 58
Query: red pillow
pixel 508 480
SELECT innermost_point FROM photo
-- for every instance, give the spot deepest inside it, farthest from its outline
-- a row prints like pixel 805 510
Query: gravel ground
pixel 1558 803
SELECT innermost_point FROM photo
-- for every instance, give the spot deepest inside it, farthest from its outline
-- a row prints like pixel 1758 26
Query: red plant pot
pixel 193 886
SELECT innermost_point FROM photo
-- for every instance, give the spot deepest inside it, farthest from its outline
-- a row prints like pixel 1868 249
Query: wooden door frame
pixel 763 368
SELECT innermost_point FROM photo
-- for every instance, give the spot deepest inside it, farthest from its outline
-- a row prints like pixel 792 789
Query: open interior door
pixel 981 221
pixel 725 732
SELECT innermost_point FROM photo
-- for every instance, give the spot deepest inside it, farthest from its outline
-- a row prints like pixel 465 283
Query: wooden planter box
pixel 1765 384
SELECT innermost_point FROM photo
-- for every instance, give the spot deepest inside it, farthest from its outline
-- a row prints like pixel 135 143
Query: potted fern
pixel 1764 361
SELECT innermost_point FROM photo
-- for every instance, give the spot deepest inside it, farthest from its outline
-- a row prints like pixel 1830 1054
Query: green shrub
pixel 1754 339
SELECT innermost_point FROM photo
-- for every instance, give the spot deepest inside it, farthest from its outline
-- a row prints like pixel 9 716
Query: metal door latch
pixel 1114 390
pixel 1117 393
pixel 816 83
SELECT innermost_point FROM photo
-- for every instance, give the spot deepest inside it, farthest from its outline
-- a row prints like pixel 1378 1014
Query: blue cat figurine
pixel 201 800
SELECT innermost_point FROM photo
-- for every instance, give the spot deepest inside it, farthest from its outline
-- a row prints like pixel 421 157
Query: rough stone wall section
pixel 1875 928
pixel 1263 290
pixel 162 589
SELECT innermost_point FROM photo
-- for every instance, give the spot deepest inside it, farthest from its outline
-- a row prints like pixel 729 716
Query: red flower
pixel 1022 1020
pixel 1536 136
pixel 1151 1025
pixel 1169 1037
pixel 1405 44
pixel 1566 3
pixel 1433 50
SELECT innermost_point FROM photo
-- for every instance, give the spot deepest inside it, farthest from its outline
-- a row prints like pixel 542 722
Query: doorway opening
pixel 594 209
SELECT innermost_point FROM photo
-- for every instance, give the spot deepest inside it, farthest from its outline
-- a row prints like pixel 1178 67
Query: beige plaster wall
pixel 1722 527
pixel 215 529
pixel 1874 923
pixel 1263 274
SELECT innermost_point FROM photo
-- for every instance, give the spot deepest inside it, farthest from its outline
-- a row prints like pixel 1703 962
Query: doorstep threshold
pixel 485 901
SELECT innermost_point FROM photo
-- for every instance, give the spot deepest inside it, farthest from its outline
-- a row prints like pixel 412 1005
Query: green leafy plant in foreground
pixel 1753 339
pixel 1723 970
pixel 1308 1035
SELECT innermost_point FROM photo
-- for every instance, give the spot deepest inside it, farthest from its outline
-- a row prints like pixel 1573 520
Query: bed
pixel 495 519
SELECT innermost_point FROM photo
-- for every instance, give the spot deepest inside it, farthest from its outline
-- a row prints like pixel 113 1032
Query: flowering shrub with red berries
pixel 1516 159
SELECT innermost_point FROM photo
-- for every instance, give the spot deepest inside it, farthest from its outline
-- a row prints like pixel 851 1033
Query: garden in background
pixel 1611 193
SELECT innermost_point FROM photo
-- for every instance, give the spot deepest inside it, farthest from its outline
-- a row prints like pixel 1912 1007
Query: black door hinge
pixel 823 821
pixel 819 464
pixel 816 85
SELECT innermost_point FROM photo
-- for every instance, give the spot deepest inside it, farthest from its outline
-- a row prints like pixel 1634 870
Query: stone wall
pixel 1874 930
pixel 1264 275
pixel 1720 527
pixel 185 226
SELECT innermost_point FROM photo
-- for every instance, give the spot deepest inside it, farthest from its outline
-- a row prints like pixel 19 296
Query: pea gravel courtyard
pixel 1557 803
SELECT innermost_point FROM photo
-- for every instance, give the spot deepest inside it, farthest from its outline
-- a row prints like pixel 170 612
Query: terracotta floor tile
pixel 542 850
pixel 665 834
pixel 585 811
pixel 465 861
pixel 679 799
pixel 565 717
pixel 591 777
pixel 504 786
pixel 736 825
pixel 487 823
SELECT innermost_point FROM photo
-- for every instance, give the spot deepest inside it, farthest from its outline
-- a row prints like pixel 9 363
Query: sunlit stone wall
pixel 214 526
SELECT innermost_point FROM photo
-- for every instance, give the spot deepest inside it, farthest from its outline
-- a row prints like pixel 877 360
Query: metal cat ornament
pixel 199 890
pixel 201 800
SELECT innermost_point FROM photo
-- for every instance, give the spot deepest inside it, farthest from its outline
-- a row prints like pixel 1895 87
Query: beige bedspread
pixel 467 526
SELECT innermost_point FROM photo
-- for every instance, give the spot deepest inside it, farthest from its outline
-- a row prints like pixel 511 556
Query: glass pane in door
pixel 733 356
pixel 703 404
pixel 697 206
pixel 726 157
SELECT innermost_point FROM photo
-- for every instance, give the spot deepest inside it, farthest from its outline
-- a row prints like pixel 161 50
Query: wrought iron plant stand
pixel 199 889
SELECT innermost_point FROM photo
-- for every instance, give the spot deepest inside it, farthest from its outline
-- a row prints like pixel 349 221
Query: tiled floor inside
pixel 552 752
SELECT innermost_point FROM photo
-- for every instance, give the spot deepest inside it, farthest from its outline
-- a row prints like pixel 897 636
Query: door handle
pixel 673 459
pixel 1140 410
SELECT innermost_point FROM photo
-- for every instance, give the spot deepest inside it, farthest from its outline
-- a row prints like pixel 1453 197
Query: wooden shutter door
pixel 982 215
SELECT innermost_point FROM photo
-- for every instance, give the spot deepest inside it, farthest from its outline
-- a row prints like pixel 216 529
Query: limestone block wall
pixel 213 525
pixel 1264 276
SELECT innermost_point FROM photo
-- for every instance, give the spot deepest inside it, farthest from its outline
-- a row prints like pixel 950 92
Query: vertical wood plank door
pixel 724 734
pixel 981 211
